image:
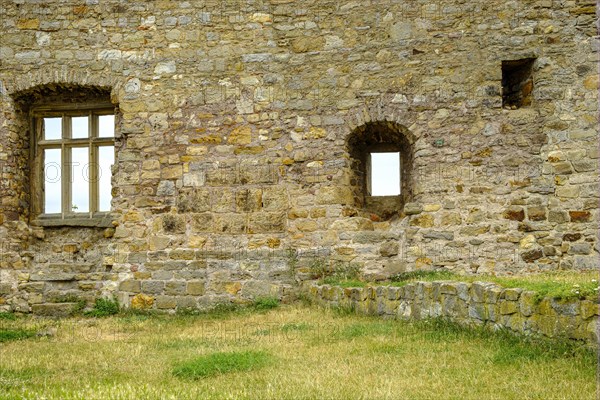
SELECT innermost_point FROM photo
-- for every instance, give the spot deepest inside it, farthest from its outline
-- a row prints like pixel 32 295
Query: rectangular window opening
pixel 517 83
pixel 74 162
pixel 385 174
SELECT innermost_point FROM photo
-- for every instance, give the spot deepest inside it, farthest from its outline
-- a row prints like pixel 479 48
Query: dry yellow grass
pixel 316 354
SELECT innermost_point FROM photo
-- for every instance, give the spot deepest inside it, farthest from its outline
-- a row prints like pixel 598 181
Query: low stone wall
pixel 470 304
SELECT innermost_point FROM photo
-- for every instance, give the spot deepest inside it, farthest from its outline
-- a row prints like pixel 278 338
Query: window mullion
pixel 93 165
pixel 39 164
pixel 37 168
pixel 66 167
pixel 368 173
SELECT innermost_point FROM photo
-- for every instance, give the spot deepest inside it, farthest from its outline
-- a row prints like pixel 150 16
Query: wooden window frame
pixel 67 217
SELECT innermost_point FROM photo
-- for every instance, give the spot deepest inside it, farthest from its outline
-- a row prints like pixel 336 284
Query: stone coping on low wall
pixel 474 303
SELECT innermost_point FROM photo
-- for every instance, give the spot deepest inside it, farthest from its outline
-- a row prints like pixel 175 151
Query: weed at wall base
pixel 103 307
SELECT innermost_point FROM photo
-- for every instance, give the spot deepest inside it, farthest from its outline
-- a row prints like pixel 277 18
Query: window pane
pixel 52 181
pixel 106 158
pixel 385 174
pixel 79 127
pixel 80 178
pixel 106 125
pixel 52 128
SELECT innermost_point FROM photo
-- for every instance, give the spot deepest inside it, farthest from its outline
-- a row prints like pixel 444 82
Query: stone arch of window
pixel 33 106
pixel 380 137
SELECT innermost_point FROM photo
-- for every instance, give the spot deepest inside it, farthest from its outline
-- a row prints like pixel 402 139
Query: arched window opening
pixel 72 141
pixel 381 163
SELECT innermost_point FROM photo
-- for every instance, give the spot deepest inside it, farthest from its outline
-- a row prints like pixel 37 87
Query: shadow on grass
pixel 508 346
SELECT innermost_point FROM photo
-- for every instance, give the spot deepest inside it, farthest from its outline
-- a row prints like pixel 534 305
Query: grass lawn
pixel 290 352
pixel 560 285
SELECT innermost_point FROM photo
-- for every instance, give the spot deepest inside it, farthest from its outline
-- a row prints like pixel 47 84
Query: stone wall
pixel 477 303
pixel 234 119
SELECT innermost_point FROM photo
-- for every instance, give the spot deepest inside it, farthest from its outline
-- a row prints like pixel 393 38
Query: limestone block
pixel 511 294
pixel 423 221
pixel 265 222
pixel 566 307
pixel 203 222
pixel 389 249
pixel 451 218
pixel 335 195
pixel 52 276
pixel 275 199
pixel 166 302
pixel 352 224
pixel 527 303
pixel 589 309
pixel 508 307
pixel 153 287
pixel 54 309
pixel 132 286
pixel 173 288
pixel 579 216
pixel 195 288
pixel 197 201
pixel 248 200
pixel 477 311
pixel 186 302
pixel 254 289
pixel 515 213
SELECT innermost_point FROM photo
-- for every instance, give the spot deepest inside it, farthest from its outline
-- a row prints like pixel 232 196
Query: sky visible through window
pixel 106 126
pixel 80 176
pixel 79 127
pixel 52 181
pixel 52 128
pixel 385 174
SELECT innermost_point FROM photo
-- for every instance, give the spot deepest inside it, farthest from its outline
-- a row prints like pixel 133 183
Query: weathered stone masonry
pixel 477 303
pixel 240 126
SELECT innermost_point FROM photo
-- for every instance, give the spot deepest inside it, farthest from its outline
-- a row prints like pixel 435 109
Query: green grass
pixel 295 327
pixel 221 310
pixel 423 276
pixel 10 378
pixel 7 316
pixel 221 363
pixel 224 310
pixel 557 285
pixel 265 303
pixel 9 334
pixel 360 329
pixel 343 282
pixel 509 348
pixel 290 352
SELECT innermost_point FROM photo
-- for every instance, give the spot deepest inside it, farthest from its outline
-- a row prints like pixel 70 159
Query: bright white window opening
pixel 385 174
